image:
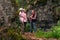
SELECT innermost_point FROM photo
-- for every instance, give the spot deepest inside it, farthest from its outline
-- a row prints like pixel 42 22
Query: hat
pixel 24 9
pixel 21 9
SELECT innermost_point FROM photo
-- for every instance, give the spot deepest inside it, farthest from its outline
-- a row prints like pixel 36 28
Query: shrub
pixel 43 34
pixel 56 30
pixel 54 33
pixel 13 35
pixel 27 27
pixel 39 33
pixel 58 24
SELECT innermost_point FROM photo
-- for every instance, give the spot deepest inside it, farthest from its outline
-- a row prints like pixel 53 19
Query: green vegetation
pixel 54 33
pixel 12 34
pixel 25 3
pixel 27 27
pixel 42 34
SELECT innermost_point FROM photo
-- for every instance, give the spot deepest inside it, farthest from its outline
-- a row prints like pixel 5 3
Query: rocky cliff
pixel 6 11
pixel 46 14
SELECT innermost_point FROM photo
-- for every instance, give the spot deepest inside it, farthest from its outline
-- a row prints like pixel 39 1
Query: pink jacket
pixel 23 17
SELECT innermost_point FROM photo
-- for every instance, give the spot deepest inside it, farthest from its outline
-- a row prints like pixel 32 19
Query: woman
pixel 33 21
pixel 23 19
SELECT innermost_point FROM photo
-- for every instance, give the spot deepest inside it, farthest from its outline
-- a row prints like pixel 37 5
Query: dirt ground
pixel 30 36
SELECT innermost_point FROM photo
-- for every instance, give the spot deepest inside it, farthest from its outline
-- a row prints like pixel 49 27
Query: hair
pixel 33 10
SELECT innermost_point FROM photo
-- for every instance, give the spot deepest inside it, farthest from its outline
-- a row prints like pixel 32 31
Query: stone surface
pixel 6 11
pixel 44 15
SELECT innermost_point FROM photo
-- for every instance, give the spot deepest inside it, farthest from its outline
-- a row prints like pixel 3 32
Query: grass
pixel 42 34
pixel 54 33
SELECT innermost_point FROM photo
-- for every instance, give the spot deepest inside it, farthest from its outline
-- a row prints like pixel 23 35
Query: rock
pixel 44 15
pixel 6 10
